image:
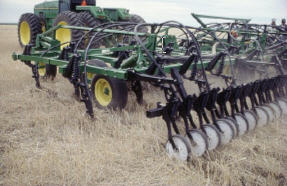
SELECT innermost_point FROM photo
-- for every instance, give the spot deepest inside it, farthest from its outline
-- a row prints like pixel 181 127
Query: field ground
pixel 45 139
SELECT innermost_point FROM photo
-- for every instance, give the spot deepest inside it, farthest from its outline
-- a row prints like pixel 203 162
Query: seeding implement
pixel 166 55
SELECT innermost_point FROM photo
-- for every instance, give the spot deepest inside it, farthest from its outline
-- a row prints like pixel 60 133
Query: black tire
pixel 51 71
pixel 97 62
pixel 134 19
pixel 118 90
pixel 138 19
pixel 34 25
pixel 43 24
pixel 90 21
pixel 72 19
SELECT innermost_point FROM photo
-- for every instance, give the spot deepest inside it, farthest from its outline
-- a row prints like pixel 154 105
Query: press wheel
pixel 213 136
pixel 198 143
pixel 181 152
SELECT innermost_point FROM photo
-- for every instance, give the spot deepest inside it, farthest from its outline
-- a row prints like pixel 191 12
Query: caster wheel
pixel 283 105
pixel 213 136
pixel 234 125
pixel 198 143
pixel 251 118
pixel 262 116
pixel 242 123
pixel 270 113
pixel 277 110
pixel 226 131
pixel 181 153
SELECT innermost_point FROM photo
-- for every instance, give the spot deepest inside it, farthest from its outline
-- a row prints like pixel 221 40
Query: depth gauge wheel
pixel 96 63
pixel 109 92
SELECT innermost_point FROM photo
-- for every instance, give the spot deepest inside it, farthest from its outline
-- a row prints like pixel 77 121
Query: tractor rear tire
pixel 97 63
pixel 134 19
pixel 90 21
pixel 138 19
pixel 109 92
pixel 65 36
pixel 29 26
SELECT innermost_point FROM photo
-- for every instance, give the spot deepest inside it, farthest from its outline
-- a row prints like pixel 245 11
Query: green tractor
pixel 68 12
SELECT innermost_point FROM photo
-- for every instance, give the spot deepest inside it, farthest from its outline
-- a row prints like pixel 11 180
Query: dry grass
pixel 45 139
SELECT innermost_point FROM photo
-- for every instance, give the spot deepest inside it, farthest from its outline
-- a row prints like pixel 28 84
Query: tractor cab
pixel 65 5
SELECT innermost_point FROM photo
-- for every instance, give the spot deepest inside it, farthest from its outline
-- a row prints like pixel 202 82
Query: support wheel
pixel 181 152
pixel 198 144
pixel 109 92
pixel 96 63
pixel 226 131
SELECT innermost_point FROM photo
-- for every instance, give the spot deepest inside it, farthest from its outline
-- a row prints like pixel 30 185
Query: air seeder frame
pixel 165 61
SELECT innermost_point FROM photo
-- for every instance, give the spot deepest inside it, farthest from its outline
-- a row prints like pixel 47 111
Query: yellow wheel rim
pixel 90 75
pixel 103 92
pixel 63 35
pixel 43 28
pixel 25 33
pixel 42 69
